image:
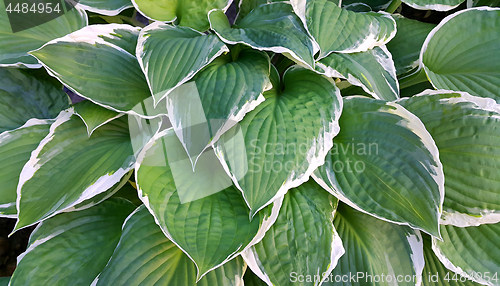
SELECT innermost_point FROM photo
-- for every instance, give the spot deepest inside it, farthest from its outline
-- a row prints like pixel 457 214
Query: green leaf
pixel 473 252
pixel 200 211
pixel 93 115
pixel 491 3
pixel 302 240
pixel 465 129
pixel 4 281
pixel 144 256
pixel 103 68
pixel 23 97
pixel 172 55
pixel 285 138
pixel 246 6
pixel 374 247
pixel 72 248
pixel 105 7
pixel 375 5
pixel 339 30
pixel 14 47
pixel 270 27
pixel 251 279
pixel 407 44
pixel 384 163
pixel 69 167
pixel 438 5
pixel 372 70
pixel 461 53
pixel 188 13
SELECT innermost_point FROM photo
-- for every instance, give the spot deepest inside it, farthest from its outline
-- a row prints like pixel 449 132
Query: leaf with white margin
pixel 437 5
pixel 461 53
pixel 187 13
pixel 374 247
pixel 72 248
pixel 466 131
pixel 405 47
pixel 384 163
pixel 270 27
pixel 14 47
pixel 339 30
pixel 436 274
pixel 144 256
pixel 69 167
pixel 171 55
pixel 302 240
pixel 103 68
pixel 105 7
pixel 23 97
pixel 473 252
pixel 211 228
pixel 292 129
pixel 93 115
pixel 246 6
pixel 372 70
pixel 218 97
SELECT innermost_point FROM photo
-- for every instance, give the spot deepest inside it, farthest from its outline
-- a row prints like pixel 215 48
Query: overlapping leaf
pixel 105 7
pixel 386 164
pixel 461 53
pixel 465 129
pixel 286 137
pixel 93 115
pixel 438 5
pixel 302 240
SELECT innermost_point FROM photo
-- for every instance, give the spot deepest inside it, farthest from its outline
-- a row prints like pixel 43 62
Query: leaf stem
pixel 393 6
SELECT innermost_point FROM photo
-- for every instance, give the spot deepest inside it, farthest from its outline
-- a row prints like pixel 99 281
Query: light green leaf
pixel 375 5
pixel 69 167
pixel 93 115
pixel 302 240
pixel 105 7
pixel 14 47
pixel 188 13
pixel 72 248
pixel 285 138
pixel 372 70
pixel 473 252
pixel 438 5
pixel 374 247
pixel 384 163
pixel 465 129
pixel 103 68
pixel 271 27
pixel 200 211
pixel 461 53
pixel 144 256
pixel 406 45
pixel 172 55
pixel 339 30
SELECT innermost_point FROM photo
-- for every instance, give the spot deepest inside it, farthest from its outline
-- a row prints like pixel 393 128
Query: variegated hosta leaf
pixel 246 6
pixel 466 131
pixel 472 252
pixel 270 27
pixel 188 13
pixel 69 167
pixel 339 30
pixel 374 247
pixel 217 98
pixel 285 138
pixel 23 97
pixel 302 240
pixel 372 70
pixel 461 53
pixel 375 5
pixel 14 47
pixel 199 211
pixel 144 256
pixel 407 44
pixel 436 274
pixel 438 5
pixel 172 55
pixel 72 248
pixel 93 115
pixel 386 164
pixel 105 7
pixel 103 67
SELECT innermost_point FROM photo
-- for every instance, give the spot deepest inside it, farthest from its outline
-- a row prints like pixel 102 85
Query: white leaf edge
pixel 435 7
pixel 90 131
pixel 105 12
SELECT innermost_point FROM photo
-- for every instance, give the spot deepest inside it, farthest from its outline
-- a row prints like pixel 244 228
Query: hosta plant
pixel 271 148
